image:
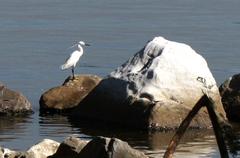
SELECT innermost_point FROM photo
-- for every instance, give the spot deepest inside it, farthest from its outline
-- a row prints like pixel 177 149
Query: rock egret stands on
pixel 74 57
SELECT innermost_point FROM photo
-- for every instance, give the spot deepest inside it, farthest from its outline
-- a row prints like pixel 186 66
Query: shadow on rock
pixel 102 107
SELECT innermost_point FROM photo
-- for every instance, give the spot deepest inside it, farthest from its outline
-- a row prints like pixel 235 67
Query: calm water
pixel 35 35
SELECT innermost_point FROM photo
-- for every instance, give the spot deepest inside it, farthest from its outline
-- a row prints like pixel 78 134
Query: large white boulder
pixel 156 88
pixel 166 70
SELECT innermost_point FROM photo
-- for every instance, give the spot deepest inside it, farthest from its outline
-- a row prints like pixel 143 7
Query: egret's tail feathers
pixel 64 66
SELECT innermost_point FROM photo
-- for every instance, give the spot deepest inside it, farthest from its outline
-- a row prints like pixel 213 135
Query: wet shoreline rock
pixel 230 92
pixel 76 148
pixel 43 149
pixel 109 148
pixel 70 147
pixel 63 98
pixel 13 103
pixel 155 89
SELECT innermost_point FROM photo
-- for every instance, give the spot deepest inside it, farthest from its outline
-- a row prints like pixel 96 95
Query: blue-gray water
pixel 35 35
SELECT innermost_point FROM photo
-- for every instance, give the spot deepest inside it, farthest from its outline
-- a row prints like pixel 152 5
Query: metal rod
pixel 218 128
pixel 217 122
pixel 184 125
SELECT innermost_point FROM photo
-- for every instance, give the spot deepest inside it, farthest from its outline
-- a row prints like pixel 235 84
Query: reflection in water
pixel 233 141
pixel 18 130
pixel 56 126
pixel 195 143
pixel 14 127
pixel 10 125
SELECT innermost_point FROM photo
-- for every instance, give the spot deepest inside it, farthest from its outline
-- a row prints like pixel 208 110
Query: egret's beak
pixel 73 45
pixel 86 44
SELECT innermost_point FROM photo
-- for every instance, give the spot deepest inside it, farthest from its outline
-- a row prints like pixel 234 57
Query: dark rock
pixel 13 103
pixel 71 147
pixel 70 94
pixel 98 147
pixel 230 92
pixel 109 148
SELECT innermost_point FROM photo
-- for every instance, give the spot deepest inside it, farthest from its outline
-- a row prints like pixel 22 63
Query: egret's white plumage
pixel 74 57
pixel 72 60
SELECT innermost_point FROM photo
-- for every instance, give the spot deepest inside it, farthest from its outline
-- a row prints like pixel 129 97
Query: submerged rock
pixel 12 102
pixel 230 92
pixel 154 89
pixel 68 95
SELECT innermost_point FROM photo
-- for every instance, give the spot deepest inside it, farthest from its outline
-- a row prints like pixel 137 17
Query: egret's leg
pixel 73 72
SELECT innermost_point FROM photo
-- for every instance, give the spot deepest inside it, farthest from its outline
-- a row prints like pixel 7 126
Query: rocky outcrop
pixel 43 149
pixel 154 89
pixel 70 147
pixel 230 92
pixel 70 94
pixel 73 147
pixel 98 147
pixel 5 152
pixel 12 102
pixel 109 148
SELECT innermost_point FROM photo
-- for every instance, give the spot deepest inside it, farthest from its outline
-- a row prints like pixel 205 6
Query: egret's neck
pixel 79 47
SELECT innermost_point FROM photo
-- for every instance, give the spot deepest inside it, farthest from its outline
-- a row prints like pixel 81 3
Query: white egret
pixel 74 57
